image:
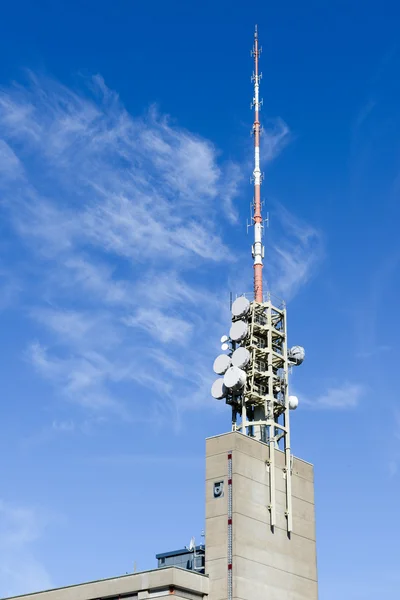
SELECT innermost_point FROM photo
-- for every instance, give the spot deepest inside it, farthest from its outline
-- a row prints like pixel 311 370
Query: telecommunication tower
pixel 254 369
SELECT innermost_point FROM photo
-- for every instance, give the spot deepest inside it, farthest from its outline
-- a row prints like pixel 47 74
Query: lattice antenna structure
pixel 254 368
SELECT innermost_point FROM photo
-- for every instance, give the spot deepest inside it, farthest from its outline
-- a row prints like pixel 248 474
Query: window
pixel 199 561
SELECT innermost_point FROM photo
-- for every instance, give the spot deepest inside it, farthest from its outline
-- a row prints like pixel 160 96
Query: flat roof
pixel 170 571
pixel 211 437
pixel 178 552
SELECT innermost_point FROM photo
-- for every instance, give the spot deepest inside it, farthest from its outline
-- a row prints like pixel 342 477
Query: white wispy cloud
pixel 116 212
pixel 276 135
pixel 10 288
pixel 161 326
pixel 363 114
pixel 345 396
pixel 371 339
pixel 83 377
pixel 10 166
pixel 297 251
pixel 78 327
pixel 19 525
pixel 20 571
pixel 82 146
pixel 67 426
pixel 120 217
pixel 97 279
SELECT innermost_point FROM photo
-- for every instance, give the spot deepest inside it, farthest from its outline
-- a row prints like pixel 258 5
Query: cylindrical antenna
pixel 258 249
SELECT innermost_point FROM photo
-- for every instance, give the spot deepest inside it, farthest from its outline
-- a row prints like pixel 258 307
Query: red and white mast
pixel 258 248
pixel 254 369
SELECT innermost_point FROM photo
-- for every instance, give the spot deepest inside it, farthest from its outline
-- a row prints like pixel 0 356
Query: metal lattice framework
pixel 265 395
pixel 255 380
pixel 261 410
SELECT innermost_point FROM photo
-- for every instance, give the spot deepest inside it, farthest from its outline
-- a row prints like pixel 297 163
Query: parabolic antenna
pixel 218 389
pixel 238 331
pixel 293 402
pixel 225 346
pixel 297 354
pixel 240 307
pixel 224 339
pixel 234 379
pixel 240 358
pixel 221 364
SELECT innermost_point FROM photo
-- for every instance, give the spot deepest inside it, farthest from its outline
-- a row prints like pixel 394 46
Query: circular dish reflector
pixel 224 339
pixel 234 379
pixel 240 358
pixel 218 390
pixel 238 331
pixel 225 346
pixel 240 307
pixel 293 402
pixel 297 354
pixel 221 364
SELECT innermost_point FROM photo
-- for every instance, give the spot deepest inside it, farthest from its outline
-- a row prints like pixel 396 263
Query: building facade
pixel 178 583
pixel 247 558
pixel 186 558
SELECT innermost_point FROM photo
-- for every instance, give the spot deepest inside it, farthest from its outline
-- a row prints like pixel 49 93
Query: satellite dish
pixel 221 364
pixel 218 389
pixel 238 331
pixel 225 347
pixel 234 379
pixel 240 307
pixel 240 358
pixel 293 402
pixel 297 354
pixel 224 339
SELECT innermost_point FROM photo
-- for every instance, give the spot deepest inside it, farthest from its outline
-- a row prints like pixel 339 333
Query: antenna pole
pixel 258 249
pixel 255 370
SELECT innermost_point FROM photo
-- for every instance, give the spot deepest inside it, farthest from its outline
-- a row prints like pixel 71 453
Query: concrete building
pixel 178 583
pixel 192 559
pixel 256 560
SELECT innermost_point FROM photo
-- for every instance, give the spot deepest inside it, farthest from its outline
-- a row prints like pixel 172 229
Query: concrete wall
pixel 266 563
pixel 170 581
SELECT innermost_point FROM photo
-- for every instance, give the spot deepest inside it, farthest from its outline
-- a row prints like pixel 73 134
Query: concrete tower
pixel 260 520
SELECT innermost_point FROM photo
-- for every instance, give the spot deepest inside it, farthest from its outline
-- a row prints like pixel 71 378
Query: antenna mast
pixel 254 369
pixel 258 248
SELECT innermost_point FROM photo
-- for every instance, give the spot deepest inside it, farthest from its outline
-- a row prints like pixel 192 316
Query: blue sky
pixel 124 193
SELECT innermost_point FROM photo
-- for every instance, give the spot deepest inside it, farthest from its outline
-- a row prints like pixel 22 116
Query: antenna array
pixel 254 369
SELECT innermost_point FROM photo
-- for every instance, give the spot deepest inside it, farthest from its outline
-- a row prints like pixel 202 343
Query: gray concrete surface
pixel 266 564
pixel 170 581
